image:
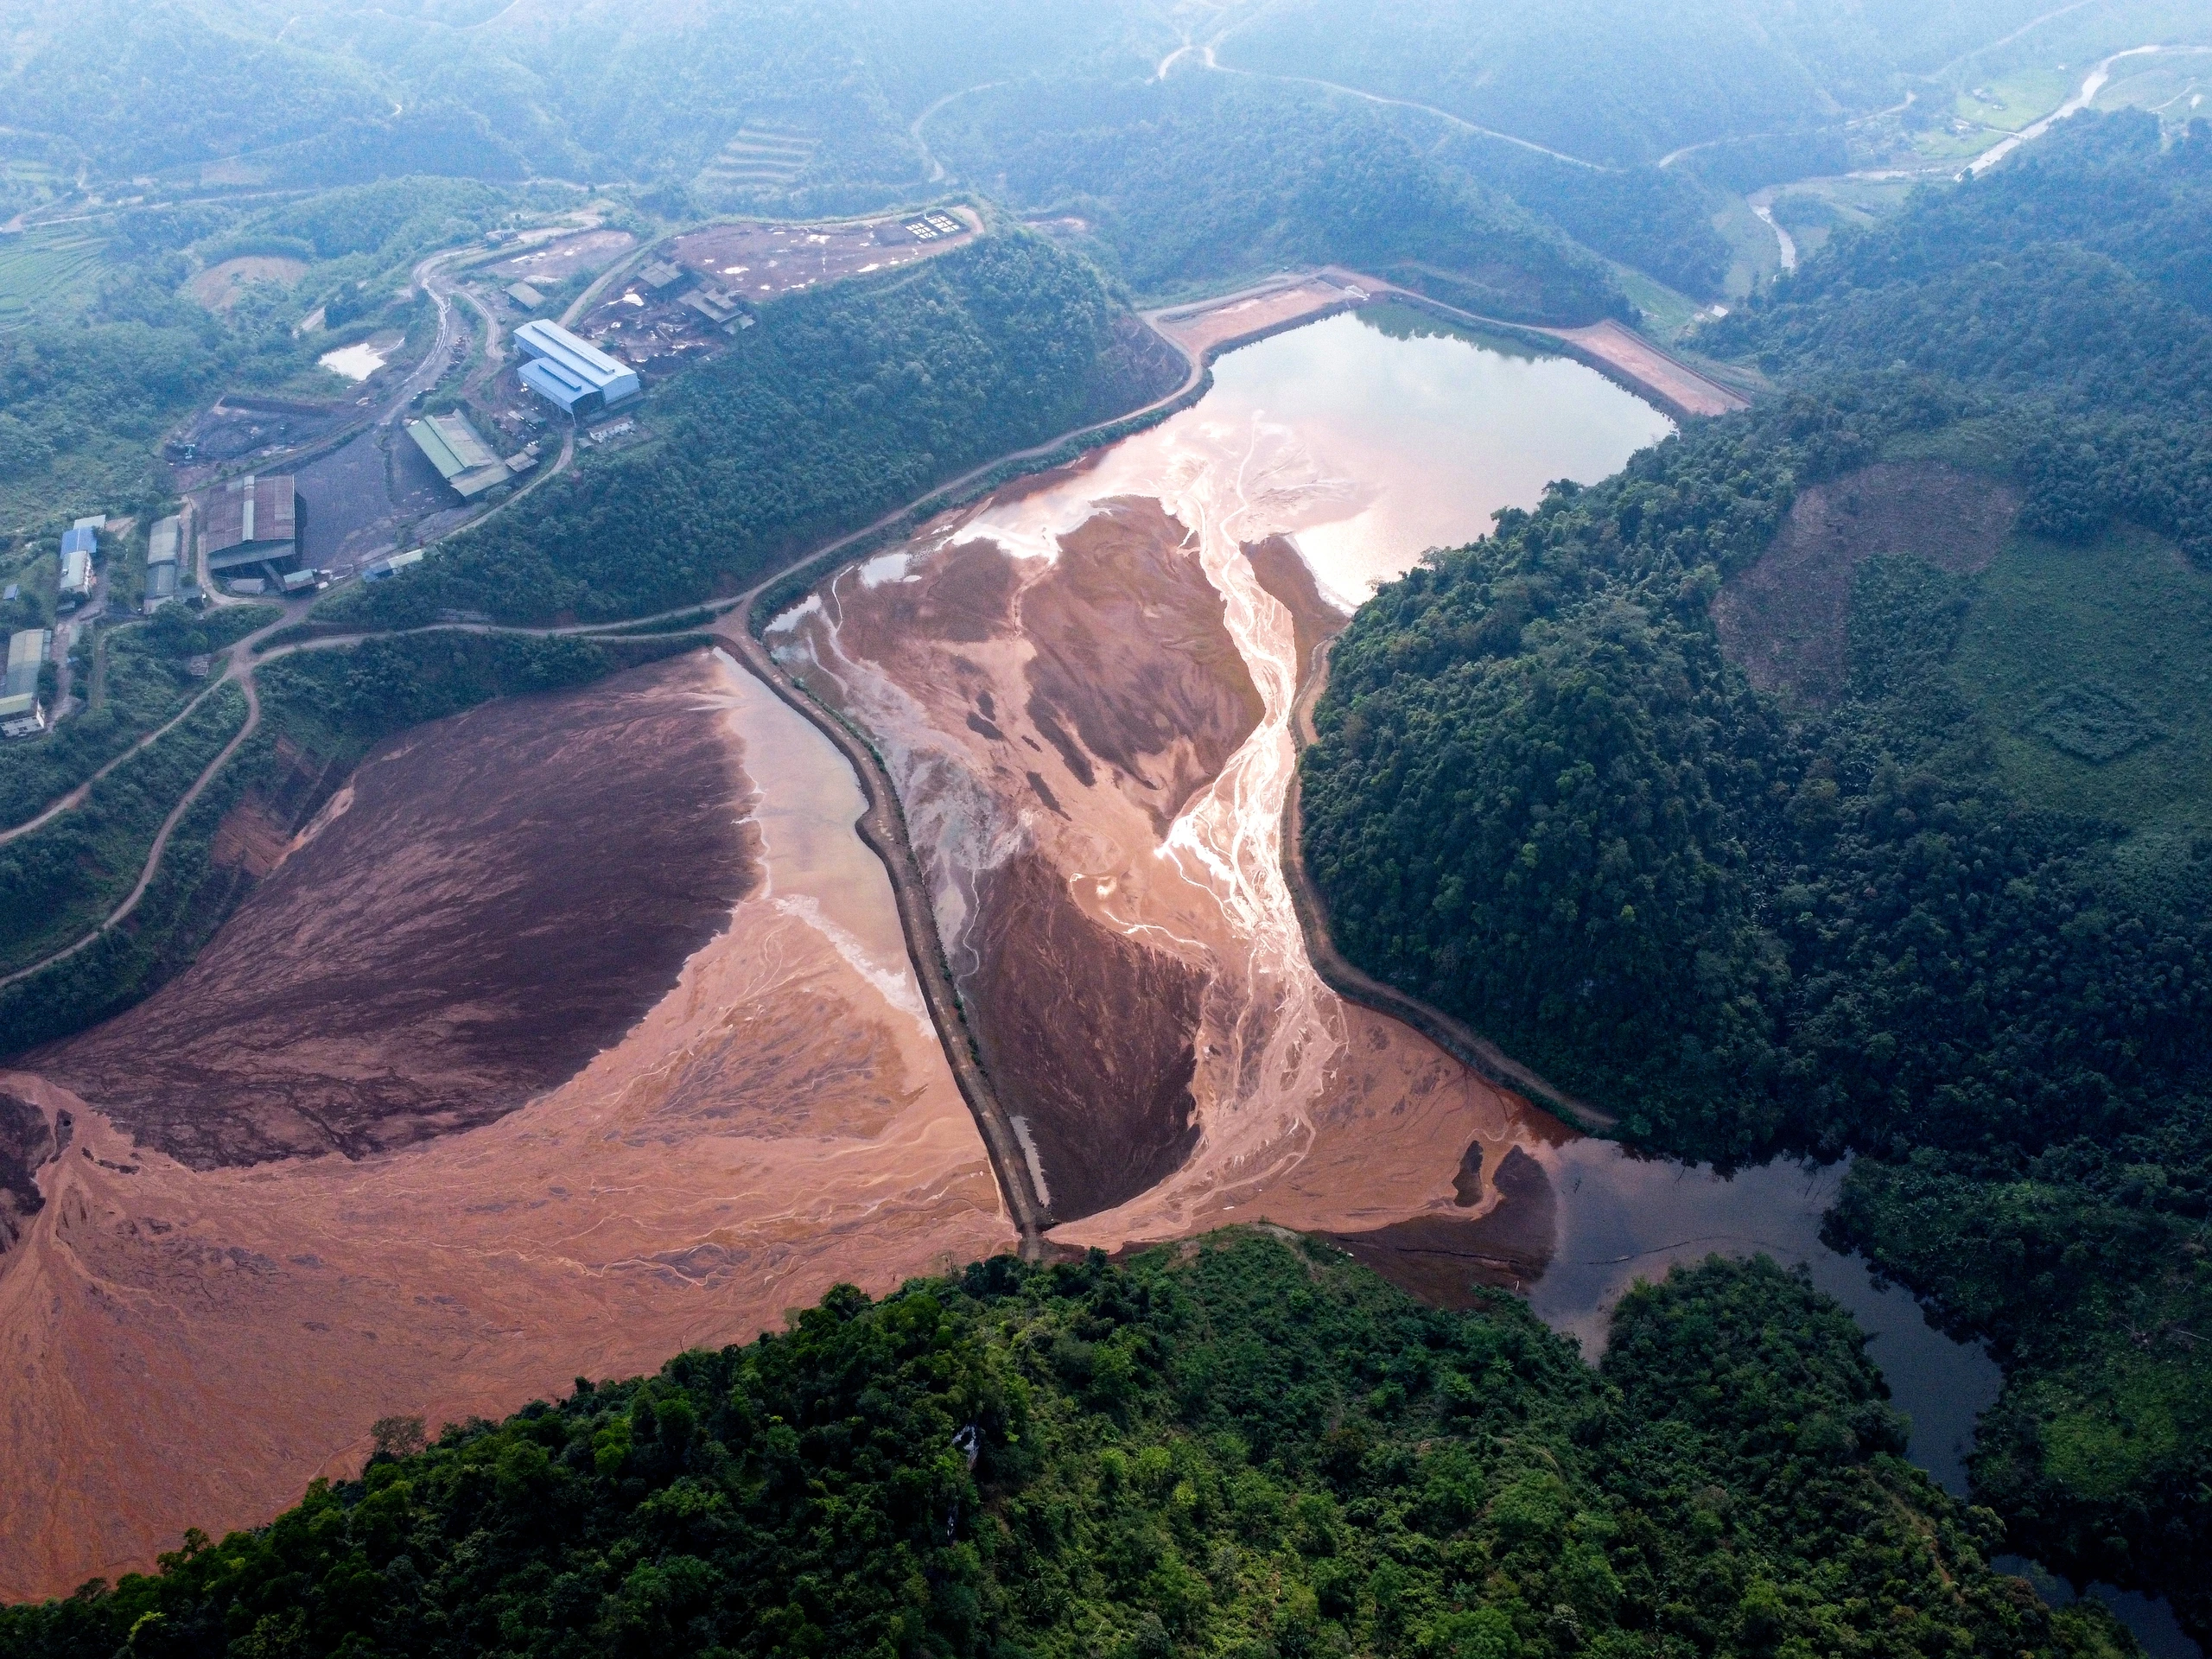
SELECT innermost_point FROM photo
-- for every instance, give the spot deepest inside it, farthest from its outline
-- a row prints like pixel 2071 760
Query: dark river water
pixel 1624 1219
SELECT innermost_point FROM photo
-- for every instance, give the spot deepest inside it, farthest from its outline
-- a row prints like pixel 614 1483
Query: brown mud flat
pixel 1065 686
pixel 1448 1261
pixel 487 904
pixel 761 261
pixel 1214 326
pixel 1087 1035
pixel 188 1347
pixel 1783 619
pixel 1102 683
pixel 1314 620
pixel 1630 357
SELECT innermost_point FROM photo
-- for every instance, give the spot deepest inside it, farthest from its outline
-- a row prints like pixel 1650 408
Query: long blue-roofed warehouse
pixel 572 374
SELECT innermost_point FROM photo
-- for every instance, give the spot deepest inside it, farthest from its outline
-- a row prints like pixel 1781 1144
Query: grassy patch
pixel 1754 257
pixel 1988 446
pixel 1666 313
pixel 2101 1446
pixel 2019 99
pixel 2092 668
pixel 45 273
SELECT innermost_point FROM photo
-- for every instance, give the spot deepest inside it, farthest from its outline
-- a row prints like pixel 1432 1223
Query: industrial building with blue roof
pixel 572 374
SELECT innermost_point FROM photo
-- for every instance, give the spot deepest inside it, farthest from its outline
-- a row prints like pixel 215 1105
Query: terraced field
pixel 762 155
pixel 43 272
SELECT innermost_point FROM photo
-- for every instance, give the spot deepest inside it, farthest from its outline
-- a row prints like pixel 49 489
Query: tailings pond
pixel 1083 689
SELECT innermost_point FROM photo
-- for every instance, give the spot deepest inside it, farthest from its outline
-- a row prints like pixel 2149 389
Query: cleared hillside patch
pixel 1781 618
pixel 761 157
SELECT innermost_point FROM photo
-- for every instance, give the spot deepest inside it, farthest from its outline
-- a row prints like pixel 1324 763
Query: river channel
pixel 1082 690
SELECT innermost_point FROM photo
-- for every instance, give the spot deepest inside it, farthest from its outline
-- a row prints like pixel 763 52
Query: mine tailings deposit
pixel 1082 690
pixel 581 1029
pixel 575 1031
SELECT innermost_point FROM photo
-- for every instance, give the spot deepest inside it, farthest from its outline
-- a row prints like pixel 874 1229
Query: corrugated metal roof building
pixel 462 456
pixel 164 543
pixel 76 574
pixel 572 374
pixel 249 520
pixel 26 651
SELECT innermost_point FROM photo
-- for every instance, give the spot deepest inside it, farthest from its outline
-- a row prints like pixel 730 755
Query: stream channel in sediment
pixel 1082 690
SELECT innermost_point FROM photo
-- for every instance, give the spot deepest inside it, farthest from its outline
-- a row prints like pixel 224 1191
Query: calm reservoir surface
pixel 1436 431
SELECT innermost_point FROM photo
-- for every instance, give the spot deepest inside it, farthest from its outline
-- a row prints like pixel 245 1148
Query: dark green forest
pixel 1243 1445
pixel 841 404
pixel 1545 800
pixel 1198 179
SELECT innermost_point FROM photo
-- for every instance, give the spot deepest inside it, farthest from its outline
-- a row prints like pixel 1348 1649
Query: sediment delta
pixel 1081 691
pixel 189 1345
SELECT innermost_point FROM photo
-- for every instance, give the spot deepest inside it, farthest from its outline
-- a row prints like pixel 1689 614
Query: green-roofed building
pixel 462 458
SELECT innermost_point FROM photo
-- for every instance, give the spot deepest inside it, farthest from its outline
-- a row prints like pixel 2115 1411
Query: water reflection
pixel 1620 1218
pixel 2149 1618
pixel 1453 427
pixel 1624 1219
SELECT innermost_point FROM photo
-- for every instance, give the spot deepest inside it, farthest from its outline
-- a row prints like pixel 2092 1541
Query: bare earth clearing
pixel 1782 618
pixel 220 287
pixel 761 261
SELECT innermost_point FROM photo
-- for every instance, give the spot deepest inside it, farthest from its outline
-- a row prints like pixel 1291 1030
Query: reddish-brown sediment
pixel 1289 582
pixel 1782 618
pixel 492 900
pixel 1093 693
pixel 1087 1036
pixel 188 1347
pixel 1449 1260
pixel 1081 692
pixel 1210 325
pixel 1130 654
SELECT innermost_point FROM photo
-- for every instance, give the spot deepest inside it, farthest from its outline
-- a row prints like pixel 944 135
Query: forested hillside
pixel 1907 910
pixel 1244 1445
pixel 1201 178
pixel 1647 80
pixel 841 404
pixel 338 91
pixel 2077 282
